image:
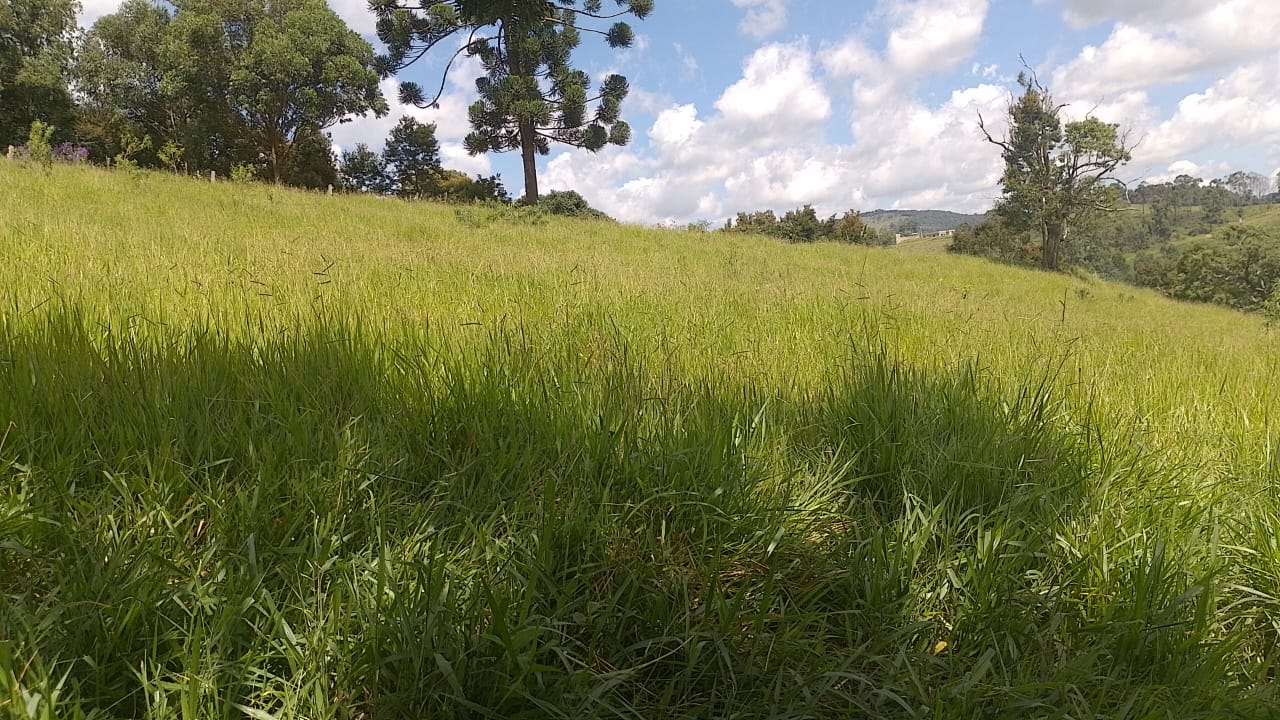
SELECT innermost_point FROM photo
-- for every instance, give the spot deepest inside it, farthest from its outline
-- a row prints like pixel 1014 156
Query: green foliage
pixel 489 214
pixel 996 240
pixel 170 155
pixel 799 225
pixel 1188 205
pixel 35 51
pixel 39 143
pixel 412 157
pixel 1271 308
pixel 570 204
pixel 1239 268
pixel 1161 220
pixel 311 163
pixel 850 228
pixel 763 222
pixel 230 82
pixel 1214 213
pixel 458 187
pixel 1055 175
pixel 803 225
pixel 363 171
pixel 531 95
pixel 303 70
pixel 130 146
pixel 161 70
pixel 243 173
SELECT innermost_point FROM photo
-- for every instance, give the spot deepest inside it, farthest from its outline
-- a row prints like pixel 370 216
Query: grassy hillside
pixel 922 245
pixel 925 221
pixel 1263 217
pixel 269 454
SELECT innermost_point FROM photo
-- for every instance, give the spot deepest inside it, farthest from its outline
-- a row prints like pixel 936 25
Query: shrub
pixel 171 154
pixel 70 152
pixel 569 203
pixel 131 145
pixel 243 173
pixel 1271 308
pixel 39 148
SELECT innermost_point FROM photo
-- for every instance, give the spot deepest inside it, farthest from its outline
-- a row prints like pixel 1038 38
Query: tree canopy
pixel 227 81
pixel 803 225
pixel 531 95
pixel 412 156
pixel 35 51
pixel 1055 175
pixel 364 171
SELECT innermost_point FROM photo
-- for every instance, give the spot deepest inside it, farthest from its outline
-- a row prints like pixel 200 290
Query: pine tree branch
pixel 579 11
pixel 444 76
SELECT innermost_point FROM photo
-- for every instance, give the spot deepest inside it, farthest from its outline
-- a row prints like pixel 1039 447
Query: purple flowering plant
pixel 70 152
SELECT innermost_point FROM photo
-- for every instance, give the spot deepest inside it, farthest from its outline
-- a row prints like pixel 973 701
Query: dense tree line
pixel 195 85
pixel 804 225
pixel 249 87
pixel 36 47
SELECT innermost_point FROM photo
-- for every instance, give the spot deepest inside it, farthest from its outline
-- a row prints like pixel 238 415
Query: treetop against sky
pixel 746 104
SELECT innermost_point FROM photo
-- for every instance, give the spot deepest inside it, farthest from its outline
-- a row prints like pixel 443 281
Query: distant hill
pixel 922 221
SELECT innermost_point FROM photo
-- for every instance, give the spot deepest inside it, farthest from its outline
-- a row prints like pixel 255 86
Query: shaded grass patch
pixel 338 521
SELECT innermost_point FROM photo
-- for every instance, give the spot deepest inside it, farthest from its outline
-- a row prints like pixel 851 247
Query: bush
pixel 1271 308
pixel 455 186
pixel 570 204
pixel 39 147
pixel 70 153
pixel 170 155
pixel 995 240
pixel 1240 268
pixel 243 173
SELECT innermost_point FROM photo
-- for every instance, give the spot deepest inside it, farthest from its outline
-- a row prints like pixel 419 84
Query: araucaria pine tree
pixel 531 95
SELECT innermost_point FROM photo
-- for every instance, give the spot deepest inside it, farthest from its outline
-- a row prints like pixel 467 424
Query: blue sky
pixel 752 104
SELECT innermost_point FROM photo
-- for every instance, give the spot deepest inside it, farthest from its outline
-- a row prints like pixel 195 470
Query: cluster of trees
pixel 1239 268
pixel 1237 189
pixel 1102 244
pixel 36 47
pixel 210 85
pixel 409 167
pixel 1188 203
pixel 804 225
pixel 1061 200
pixel 237 85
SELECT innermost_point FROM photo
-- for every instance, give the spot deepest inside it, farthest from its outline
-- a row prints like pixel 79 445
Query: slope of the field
pixel 1261 217
pixel 271 454
pixel 921 221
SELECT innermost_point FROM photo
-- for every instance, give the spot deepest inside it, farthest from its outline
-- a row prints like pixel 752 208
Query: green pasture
pixel 269 454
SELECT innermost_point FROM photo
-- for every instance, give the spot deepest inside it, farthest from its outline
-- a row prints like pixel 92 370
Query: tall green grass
pixel 267 454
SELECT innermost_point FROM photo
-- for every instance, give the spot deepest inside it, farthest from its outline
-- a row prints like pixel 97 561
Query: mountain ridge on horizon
pixel 921 221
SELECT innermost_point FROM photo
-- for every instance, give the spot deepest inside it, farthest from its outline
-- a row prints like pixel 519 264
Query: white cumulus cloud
pixel 934 34
pixel 1145 51
pixel 763 18
pixel 764 145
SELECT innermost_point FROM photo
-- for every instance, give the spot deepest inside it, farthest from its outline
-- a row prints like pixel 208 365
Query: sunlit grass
pixel 269 454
